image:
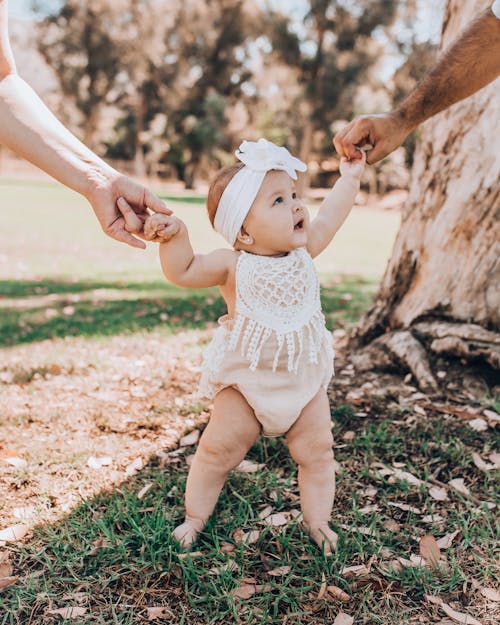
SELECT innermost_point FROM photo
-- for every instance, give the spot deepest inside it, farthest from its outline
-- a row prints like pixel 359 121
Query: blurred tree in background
pixel 173 87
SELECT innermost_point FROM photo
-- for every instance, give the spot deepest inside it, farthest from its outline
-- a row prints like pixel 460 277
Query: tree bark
pixel 445 265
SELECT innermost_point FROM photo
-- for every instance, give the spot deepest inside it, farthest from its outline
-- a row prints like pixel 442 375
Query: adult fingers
pixel 378 152
pixel 154 203
pixel 355 134
pixel 132 222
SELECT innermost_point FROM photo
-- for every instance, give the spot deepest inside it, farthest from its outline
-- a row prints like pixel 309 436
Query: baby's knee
pixel 313 453
pixel 220 454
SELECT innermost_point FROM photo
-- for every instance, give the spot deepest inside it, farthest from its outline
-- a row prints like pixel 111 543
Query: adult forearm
pixel 29 129
pixel 469 64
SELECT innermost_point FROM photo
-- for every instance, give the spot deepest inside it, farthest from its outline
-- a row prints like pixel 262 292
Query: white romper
pixel 277 350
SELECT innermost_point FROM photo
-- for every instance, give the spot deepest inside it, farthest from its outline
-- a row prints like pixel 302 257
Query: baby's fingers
pixel 168 232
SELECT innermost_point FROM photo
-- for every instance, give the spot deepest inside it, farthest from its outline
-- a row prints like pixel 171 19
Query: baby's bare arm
pixel 179 262
pixel 336 206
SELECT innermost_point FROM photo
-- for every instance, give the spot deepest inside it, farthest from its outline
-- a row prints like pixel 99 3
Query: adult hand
pixel 385 132
pixel 106 190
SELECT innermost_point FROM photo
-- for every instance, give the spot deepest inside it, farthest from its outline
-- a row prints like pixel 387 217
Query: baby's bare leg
pixel 230 433
pixel 310 443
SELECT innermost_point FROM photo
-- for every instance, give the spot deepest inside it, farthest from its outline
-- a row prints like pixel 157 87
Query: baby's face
pixel 278 221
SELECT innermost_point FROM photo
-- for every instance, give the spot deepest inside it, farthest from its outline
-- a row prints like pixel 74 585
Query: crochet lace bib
pixel 277 295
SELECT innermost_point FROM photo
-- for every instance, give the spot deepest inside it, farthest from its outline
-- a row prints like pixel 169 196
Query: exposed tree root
pixel 407 348
pixel 465 340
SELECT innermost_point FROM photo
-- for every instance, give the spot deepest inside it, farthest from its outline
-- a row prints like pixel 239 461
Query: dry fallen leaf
pixel 338 593
pixel 490 593
pixel 481 464
pixel 445 541
pixel 405 507
pixel 459 485
pixel 438 493
pixel 459 617
pixel 276 519
pixel 359 570
pixel 480 425
pixel 13 533
pixel 429 550
pixel 71 612
pixel 322 589
pixel 245 591
pixel 134 466
pixel 265 512
pixel 190 439
pixel 5 582
pixel 154 613
pixel 246 466
pixel 280 570
pixel 144 490
pixel 343 619
pixel 99 463
pixel 230 565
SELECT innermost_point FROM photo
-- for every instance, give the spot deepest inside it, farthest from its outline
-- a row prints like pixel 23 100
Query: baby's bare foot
pixel 324 536
pixel 186 533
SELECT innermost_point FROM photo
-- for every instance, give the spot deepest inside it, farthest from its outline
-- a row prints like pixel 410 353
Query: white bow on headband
pixel 259 157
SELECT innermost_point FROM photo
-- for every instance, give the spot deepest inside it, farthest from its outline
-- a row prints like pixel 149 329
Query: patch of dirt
pixel 80 415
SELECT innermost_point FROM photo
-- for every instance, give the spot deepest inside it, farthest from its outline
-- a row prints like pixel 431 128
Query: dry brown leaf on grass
pixel 459 617
pixel 276 520
pixel 445 541
pixel 438 493
pixel 154 613
pixel 265 512
pixel 230 565
pixel 144 490
pixel 278 571
pixel 458 484
pixel 70 612
pixel 481 464
pixel 338 593
pixel 190 439
pixel 134 466
pixel 343 619
pixel 13 533
pixel 359 570
pixel 249 538
pixel 247 466
pixel 245 591
pixel 490 593
pixel 5 582
pixel 322 588
pixel 429 550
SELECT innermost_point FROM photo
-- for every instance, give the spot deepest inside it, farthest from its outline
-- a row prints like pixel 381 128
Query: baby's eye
pixel 278 200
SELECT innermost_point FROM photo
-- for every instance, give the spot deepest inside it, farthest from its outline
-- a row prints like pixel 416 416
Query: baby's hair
pixel 222 179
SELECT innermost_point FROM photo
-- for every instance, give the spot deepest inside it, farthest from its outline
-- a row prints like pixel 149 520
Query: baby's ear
pixel 244 237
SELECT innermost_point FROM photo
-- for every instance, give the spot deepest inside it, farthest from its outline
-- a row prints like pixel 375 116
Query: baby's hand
pixel 353 167
pixel 161 228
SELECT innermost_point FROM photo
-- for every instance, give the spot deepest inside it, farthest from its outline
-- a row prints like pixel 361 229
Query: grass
pixel 114 554
pixel 39 310
pixel 47 230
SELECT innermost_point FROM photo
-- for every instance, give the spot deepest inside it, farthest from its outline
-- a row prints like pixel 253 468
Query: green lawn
pixel 49 231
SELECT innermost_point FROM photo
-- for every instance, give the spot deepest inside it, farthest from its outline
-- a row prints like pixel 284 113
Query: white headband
pixel 259 157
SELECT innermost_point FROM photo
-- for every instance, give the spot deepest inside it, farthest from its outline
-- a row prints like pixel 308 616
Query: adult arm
pixel 469 64
pixel 29 129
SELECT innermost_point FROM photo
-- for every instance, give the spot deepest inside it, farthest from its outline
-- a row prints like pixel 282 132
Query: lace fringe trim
pixel 255 334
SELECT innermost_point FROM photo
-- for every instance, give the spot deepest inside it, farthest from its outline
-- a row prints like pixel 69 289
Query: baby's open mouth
pixel 299 225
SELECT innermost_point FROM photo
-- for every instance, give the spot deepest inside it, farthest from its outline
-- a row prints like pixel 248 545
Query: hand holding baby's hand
pixel 354 167
pixel 161 228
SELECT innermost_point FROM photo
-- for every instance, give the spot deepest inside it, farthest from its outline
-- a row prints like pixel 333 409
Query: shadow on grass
pixel 37 310
pixel 114 555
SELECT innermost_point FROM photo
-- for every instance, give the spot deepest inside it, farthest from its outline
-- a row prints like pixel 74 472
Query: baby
pixel 269 364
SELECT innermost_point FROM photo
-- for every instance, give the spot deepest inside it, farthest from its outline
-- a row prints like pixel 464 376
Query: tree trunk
pixel 442 283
